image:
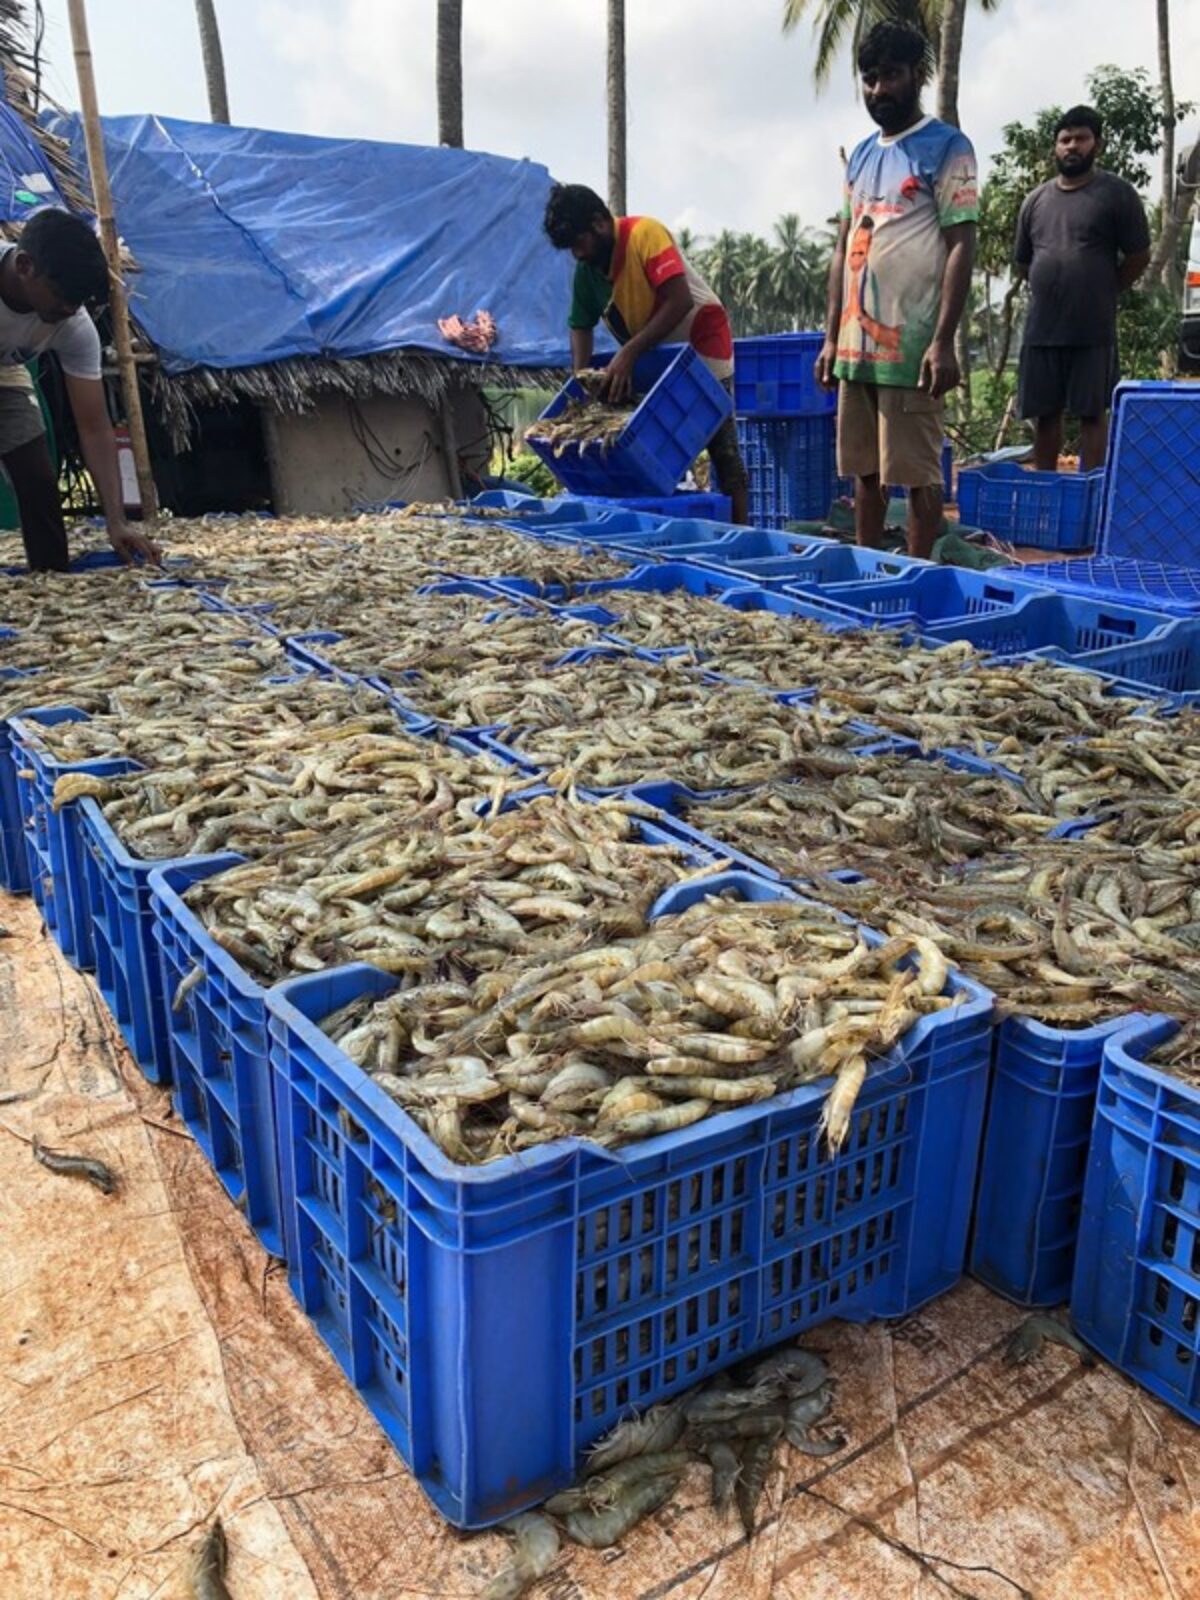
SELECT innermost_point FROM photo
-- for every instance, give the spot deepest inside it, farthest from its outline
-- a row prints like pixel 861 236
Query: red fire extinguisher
pixel 130 494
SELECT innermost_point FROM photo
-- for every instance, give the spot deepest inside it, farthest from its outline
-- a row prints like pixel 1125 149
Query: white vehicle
pixel 1189 333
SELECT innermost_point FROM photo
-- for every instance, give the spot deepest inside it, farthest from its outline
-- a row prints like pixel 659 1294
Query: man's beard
pixel 893 114
pixel 1075 166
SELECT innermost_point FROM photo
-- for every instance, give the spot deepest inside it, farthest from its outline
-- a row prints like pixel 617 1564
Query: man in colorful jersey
pixel 633 276
pixel 897 290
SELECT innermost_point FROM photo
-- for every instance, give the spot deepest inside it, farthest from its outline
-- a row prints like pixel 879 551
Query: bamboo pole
pixel 122 337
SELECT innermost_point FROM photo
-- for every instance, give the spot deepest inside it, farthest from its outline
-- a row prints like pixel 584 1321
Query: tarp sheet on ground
pixel 256 246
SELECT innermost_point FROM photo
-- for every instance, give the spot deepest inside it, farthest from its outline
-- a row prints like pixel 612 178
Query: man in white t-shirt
pixel 46 280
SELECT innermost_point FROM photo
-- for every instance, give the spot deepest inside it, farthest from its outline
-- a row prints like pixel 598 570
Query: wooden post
pixel 616 84
pixel 102 193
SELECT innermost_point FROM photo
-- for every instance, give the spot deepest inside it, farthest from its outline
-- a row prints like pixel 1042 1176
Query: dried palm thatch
pixel 296 385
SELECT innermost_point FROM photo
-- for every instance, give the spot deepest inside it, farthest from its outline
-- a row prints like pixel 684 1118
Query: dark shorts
pixel 725 455
pixel 1077 379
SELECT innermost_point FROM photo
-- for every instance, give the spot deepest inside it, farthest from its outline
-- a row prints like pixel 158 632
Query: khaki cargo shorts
pixel 893 433
pixel 20 414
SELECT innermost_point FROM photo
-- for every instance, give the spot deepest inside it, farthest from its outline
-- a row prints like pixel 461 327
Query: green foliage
pixel 768 286
pixel 1147 329
pixel 836 23
pixel 526 468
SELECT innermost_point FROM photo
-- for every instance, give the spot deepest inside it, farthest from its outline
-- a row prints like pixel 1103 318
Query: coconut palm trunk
pixel 950 59
pixel 1176 206
pixel 449 73
pixel 214 60
pixel 616 108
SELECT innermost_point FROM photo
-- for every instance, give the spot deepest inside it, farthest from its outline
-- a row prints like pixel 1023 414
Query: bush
pixel 526 468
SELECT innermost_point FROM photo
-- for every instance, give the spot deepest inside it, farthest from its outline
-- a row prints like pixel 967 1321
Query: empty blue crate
pixel 1042 510
pixel 1152 500
pixel 1168 662
pixel 756 554
pixel 924 595
pixel 1136 1290
pixel 774 376
pixel 791 466
pixel 683 405
pixel 53 838
pixel 683 503
pixel 1169 588
pixel 1034 1158
pixel 569 1285
pixel 1065 626
pixel 217 1029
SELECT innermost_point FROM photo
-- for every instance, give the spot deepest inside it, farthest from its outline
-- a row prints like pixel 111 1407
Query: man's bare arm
pixel 833 309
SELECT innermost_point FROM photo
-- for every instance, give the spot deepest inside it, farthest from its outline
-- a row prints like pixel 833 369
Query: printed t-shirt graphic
pixel 645 256
pixel 900 193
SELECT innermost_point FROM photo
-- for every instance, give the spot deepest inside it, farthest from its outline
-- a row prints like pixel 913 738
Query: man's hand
pixel 618 376
pixel 132 546
pixel 939 369
pixel 824 365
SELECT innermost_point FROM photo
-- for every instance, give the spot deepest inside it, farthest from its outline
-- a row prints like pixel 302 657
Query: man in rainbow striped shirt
pixel 631 275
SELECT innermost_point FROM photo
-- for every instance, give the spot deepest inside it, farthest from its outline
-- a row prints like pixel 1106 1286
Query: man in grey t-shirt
pixel 1081 239
pixel 45 282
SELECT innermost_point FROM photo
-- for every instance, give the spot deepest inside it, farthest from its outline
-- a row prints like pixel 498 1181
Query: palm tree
pixel 1177 198
pixel 838 22
pixel 722 261
pixel 616 107
pixel 449 73
pixel 799 269
pixel 214 60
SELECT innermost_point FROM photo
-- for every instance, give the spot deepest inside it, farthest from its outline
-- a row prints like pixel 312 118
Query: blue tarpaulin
pixel 254 246
pixel 26 178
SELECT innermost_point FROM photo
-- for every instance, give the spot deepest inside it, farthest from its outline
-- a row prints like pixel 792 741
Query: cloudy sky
pixel 726 129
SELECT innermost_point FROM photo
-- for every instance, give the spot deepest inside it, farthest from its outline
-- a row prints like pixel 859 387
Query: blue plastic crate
pixel 683 503
pixel 667 576
pixel 218 1050
pixel 128 968
pixel 14 861
pixel 1174 590
pixel 792 468
pixel 1167 662
pixel 1136 1290
pixel 671 538
pixel 52 838
pixel 683 539
pixel 1042 510
pixel 773 376
pixel 217 1040
pixel 1034 1158
pixel 564 1286
pixel 814 569
pixel 1151 506
pixel 928 596
pixel 1073 628
pixel 684 405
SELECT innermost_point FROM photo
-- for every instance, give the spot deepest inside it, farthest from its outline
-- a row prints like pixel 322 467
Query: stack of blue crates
pixel 786 428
